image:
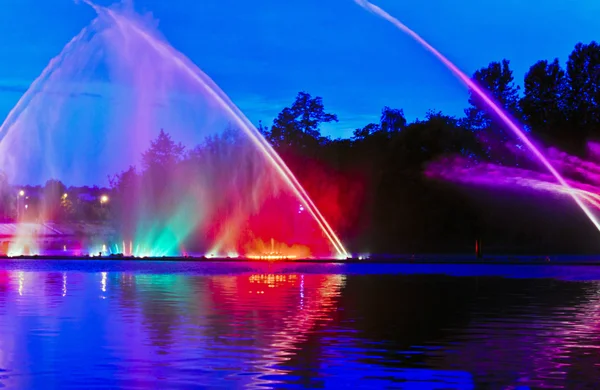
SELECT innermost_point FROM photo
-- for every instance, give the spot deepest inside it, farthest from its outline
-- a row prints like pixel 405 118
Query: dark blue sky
pixel 263 52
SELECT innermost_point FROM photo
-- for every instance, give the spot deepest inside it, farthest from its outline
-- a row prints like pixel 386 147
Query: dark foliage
pixel 401 211
pixel 371 187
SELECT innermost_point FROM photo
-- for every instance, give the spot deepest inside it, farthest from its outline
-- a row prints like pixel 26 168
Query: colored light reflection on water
pixel 209 325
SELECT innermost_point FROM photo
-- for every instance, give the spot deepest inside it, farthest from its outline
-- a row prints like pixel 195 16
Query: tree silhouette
pixel 497 79
pixel 163 153
pixel 392 120
pixel 583 73
pixel 365 132
pixel 544 102
pixel 298 126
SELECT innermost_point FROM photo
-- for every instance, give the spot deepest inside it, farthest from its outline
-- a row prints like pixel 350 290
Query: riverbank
pixel 412 259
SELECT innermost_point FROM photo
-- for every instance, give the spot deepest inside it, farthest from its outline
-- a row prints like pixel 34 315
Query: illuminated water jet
pixel 241 121
pixel 504 117
pixel 114 60
pixel 582 175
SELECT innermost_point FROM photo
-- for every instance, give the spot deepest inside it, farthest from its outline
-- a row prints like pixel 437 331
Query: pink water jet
pixel 504 117
pixel 582 176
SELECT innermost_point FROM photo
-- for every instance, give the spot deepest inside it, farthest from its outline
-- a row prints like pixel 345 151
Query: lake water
pixel 118 324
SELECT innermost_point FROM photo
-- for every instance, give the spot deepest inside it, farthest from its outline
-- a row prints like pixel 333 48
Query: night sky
pixel 262 53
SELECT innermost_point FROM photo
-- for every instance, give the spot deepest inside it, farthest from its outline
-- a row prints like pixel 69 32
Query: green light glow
pixel 163 238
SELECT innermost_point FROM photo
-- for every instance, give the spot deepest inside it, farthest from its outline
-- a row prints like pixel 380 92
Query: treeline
pixel 384 204
pixel 370 187
pixel 54 202
pixel 221 196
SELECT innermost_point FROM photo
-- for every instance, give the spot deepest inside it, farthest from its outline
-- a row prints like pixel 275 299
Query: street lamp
pixel 104 199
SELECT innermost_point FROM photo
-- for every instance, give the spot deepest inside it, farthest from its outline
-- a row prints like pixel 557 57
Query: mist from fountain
pixel 582 174
pixel 93 112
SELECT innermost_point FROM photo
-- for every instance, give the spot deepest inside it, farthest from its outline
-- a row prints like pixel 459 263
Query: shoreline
pixel 431 259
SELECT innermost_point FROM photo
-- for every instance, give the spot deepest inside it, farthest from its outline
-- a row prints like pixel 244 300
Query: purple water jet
pixel 489 102
pixel 582 175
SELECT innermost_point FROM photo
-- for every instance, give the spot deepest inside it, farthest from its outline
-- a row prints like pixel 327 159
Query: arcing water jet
pixel 139 83
pixel 495 107
pixel 582 175
pixel 240 119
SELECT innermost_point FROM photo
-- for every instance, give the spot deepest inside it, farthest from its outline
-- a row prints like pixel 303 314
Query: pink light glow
pixel 586 186
pixel 488 101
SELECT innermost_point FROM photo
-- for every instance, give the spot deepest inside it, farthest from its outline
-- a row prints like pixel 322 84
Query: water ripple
pixel 271 326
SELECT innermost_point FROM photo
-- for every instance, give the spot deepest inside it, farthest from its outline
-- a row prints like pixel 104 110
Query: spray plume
pixel 504 117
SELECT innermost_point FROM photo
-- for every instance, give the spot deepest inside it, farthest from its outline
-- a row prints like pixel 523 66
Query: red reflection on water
pixel 5 280
pixel 310 301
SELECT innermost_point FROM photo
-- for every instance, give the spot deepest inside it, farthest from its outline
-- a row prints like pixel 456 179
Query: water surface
pixel 120 324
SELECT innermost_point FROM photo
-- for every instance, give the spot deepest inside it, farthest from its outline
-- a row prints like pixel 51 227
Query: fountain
pixel 93 112
pixel 494 107
pixel 582 175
